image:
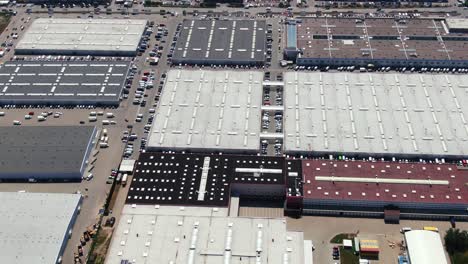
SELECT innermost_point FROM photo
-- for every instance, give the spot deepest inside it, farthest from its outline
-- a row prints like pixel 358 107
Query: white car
pixel 90 176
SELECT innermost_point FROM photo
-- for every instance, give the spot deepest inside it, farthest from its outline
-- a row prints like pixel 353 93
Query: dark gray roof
pixel 43 152
pixel 62 82
pixel 210 41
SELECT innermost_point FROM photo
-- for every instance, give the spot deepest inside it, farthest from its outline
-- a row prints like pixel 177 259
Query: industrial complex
pixel 227 136
pixel 209 111
pixel 40 153
pixel 62 83
pixel 221 42
pixel 35 227
pixel 98 37
pixel 377 41
pixel 378 115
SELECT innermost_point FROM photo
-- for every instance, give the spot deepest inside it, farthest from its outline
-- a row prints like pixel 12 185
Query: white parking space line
pixel 95 74
pixel 72 74
pixel 26 74
pixel 47 74
pixel 64 94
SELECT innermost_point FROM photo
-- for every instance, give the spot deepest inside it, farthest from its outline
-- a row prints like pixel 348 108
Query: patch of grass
pixel 4 20
pixel 347 256
pixel 338 239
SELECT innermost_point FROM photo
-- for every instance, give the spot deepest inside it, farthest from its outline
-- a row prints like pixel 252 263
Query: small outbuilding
pixel 425 247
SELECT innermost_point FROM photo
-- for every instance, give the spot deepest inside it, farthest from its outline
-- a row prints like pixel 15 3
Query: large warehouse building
pixel 378 115
pixel 35 227
pixel 45 153
pixel 99 37
pixel 62 82
pixel 205 179
pixel 209 111
pixel 377 41
pixel 146 234
pixel 359 188
pixel 221 42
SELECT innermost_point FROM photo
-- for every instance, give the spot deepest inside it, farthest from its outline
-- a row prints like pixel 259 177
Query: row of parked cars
pixel 174 43
pixel 146 82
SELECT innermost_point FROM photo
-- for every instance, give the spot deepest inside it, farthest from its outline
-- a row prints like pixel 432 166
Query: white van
pixel 110 115
pixel 105 122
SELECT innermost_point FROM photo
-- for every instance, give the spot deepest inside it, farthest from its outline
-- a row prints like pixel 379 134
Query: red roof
pixel 456 192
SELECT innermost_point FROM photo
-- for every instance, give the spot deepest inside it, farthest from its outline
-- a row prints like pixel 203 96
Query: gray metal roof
pixel 64 34
pixel 43 152
pixel 221 41
pixel 209 110
pixel 62 82
pixel 417 114
pixel 34 226
pixel 183 238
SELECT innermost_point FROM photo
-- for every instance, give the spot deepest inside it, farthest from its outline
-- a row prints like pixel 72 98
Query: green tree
pixel 456 241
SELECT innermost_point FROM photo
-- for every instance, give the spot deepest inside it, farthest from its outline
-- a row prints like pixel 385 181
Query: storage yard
pixel 209 111
pixel 35 227
pixel 378 115
pixel 64 36
pixel 222 42
pixel 39 153
pixel 62 82
pixel 381 42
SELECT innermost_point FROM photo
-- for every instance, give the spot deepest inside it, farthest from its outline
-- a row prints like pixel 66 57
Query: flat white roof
pixel 209 110
pixel 376 113
pixel 457 23
pixel 154 238
pixel 425 247
pixel 34 226
pixel 83 34
pixel 127 165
